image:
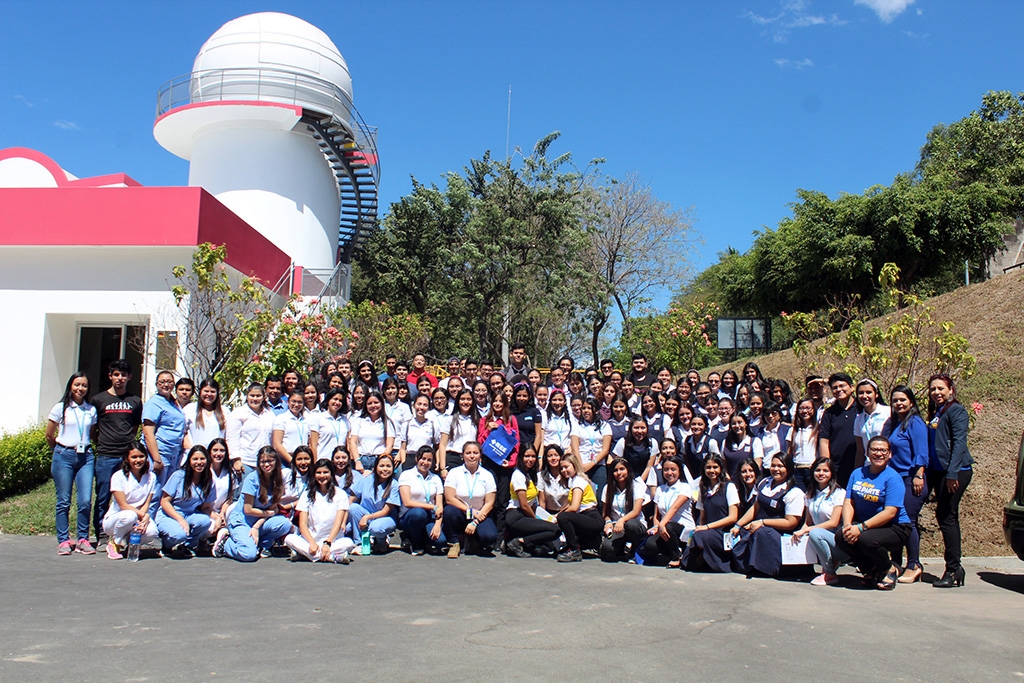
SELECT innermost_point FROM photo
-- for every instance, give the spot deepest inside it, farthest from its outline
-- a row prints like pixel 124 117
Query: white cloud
pixel 794 63
pixel 792 14
pixel 887 10
pixel 64 124
pixel 24 100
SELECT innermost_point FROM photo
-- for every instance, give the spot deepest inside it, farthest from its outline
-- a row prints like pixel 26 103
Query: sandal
pixel 889 582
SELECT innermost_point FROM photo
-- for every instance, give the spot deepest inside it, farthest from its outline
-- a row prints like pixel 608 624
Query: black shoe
pixel 570 556
pixel 515 548
pixel 951 579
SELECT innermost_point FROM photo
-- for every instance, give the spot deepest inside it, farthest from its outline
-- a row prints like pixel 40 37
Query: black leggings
pixel 613 548
pixel 659 552
pixel 874 547
pixel 533 531
pixel 581 527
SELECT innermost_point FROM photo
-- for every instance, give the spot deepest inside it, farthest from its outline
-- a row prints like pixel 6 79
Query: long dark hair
pixel 295 470
pixel 832 485
pixel 371 393
pixel 595 408
pixel 516 388
pixel 313 488
pixel 377 481
pixel 66 399
pixel 612 486
pixel 272 481
pixel 205 477
pixel 741 486
pixel 331 393
pixel 730 438
pixel 127 468
pixel 932 407
pixel 473 415
pixel 914 410
pixel 348 469
pixel 705 481
pixel 232 474
pixel 530 474
pixel 218 411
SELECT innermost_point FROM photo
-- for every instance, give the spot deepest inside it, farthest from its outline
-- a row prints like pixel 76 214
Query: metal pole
pixel 967 273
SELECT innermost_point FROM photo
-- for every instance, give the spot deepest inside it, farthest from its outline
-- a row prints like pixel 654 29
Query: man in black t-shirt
pixel 836 439
pixel 119 415
pixel 641 378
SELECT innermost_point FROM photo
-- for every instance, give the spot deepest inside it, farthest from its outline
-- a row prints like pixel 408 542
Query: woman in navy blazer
pixel 950 472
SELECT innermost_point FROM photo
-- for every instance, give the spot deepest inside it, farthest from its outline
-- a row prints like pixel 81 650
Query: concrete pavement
pixel 402 618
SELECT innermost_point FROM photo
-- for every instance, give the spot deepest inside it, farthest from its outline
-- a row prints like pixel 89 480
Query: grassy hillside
pixel 991 315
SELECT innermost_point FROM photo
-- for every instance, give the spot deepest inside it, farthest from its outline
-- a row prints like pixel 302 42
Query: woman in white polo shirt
pixel 372 434
pixel 322 513
pixel 249 429
pixel 422 494
pixel 420 431
pixel 331 428
pixel 291 428
pixel 131 492
pixel 469 493
pixel 70 428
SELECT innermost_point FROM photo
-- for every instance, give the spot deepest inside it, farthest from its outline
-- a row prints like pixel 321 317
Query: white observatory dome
pixel 270 56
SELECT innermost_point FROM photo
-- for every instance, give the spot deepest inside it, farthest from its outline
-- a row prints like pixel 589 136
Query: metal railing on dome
pixel 271 85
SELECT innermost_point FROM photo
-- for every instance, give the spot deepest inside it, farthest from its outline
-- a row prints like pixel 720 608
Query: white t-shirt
pixel 371 434
pixel 295 430
pixel 331 432
pixel 619 508
pixel 805 446
pixel 420 490
pixel 768 444
pixel 820 506
pixel 419 434
pixel 135 491
pixel 322 513
pixel 77 425
pixel 591 438
pixel 471 488
pixel 866 426
pixel 465 431
pixel 582 484
pixel 202 436
pixel 248 432
pixel 221 485
pixel 555 492
pixel 793 499
pixel 665 496
pixel 558 429
pixel 399 413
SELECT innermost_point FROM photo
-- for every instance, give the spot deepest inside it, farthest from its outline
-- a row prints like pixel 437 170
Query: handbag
pixel 501 444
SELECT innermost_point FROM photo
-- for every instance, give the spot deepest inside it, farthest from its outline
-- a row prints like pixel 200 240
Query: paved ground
pixel 401 618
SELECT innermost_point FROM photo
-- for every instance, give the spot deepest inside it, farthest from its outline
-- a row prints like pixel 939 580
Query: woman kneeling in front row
pixel 875 523
pixel 469 493
pixel 778 509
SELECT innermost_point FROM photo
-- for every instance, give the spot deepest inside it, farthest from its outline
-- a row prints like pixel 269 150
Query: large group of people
pixel 728 472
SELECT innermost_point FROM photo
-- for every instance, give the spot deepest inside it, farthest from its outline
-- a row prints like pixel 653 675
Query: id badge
pixel 469 514
pixel 727 540
pixel 80 448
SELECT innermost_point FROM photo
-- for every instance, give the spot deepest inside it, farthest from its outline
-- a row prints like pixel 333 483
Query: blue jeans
pixel 240 546
pixel 105 467
pixel 378 528
pixel 68 469
pixel 454 523
pixel 172 534
pixel 416 523
pixel 824 543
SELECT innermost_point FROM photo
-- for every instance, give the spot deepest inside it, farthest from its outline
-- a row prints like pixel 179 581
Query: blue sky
pixel 726 107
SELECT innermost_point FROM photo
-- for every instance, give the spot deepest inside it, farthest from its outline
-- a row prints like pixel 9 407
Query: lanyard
pixel 300 424
pixel 427 490
pixel 471 487
pixel 81 424
pixel 336 426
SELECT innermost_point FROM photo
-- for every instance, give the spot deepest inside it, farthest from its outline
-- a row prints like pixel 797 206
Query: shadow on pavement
pixel 1011 582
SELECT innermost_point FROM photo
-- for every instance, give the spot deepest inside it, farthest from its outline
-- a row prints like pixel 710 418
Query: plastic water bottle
pixel 134 542
pixel 366 548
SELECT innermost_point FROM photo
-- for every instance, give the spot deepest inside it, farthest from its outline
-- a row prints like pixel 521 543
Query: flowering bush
pixel 678 338
pixel 376 330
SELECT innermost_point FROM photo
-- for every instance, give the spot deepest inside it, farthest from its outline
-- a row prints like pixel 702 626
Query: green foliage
pixel 225 320
pixel 906 348
pixel 956 206
pixel 495 254
pixel 375 329
pixel 25 460
pixel 680 338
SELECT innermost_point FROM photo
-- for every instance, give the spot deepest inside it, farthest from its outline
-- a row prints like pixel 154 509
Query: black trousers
pixel 614 549
pixel 533 531
pixel 947 514
pixel 503 482
pixel 873 551
pixel 581 529
pixel 659 552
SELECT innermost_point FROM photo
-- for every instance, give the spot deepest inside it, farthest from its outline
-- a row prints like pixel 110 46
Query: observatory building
pixel 282 170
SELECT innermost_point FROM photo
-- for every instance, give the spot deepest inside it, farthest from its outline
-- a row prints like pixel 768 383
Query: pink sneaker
pixel 825 579
pixel 112 551
pixel 85 547
pixel 65 548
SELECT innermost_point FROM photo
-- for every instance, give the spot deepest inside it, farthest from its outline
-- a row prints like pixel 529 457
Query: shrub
pixel 24 460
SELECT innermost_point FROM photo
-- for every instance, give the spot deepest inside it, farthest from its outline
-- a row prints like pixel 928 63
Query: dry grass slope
pixel 991 315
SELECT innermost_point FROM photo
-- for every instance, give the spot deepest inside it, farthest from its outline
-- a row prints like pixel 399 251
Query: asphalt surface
pixel 403 618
